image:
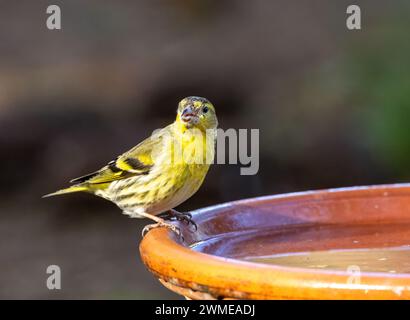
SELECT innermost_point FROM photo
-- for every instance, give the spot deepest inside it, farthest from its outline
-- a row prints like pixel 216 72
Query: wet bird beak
pixel 189 115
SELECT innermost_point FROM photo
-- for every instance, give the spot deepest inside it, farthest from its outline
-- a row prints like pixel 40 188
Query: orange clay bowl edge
pixel 198 275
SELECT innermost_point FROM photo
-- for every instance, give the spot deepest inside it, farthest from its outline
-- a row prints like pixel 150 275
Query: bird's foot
pixel 179 216
pixel 170 226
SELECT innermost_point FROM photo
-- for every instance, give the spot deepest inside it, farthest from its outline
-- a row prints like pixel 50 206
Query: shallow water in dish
pixel 370 247
pixel 388 260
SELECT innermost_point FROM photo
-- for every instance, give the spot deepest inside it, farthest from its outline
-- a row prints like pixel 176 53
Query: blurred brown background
pixel 332 106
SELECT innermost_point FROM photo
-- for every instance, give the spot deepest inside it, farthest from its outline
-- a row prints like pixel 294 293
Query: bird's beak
pixel 189 115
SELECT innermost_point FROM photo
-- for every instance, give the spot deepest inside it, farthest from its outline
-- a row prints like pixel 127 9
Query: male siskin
pixel 161 172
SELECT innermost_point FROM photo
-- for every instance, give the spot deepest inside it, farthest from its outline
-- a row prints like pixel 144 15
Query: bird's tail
pixel 76 188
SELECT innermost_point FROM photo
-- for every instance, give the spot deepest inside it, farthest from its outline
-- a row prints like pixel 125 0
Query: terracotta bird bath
pixel 350 243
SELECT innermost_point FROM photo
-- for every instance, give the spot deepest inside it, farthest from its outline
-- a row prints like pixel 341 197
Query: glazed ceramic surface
pixel 351 243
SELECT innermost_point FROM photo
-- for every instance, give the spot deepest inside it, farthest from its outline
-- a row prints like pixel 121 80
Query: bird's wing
pixel 137 161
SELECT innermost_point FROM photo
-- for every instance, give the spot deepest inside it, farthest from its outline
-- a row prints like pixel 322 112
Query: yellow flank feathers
pixel 162 171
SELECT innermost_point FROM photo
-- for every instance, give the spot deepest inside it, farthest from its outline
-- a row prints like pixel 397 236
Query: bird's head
pixel 197 112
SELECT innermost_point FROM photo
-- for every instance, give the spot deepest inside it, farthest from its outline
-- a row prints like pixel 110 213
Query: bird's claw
pixel 170 226
pixel 180 216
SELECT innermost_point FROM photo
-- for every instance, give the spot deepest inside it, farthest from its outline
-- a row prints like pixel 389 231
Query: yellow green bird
pixel 162 171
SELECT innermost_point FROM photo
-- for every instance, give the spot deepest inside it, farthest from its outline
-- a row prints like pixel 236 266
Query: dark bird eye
pixel 205 110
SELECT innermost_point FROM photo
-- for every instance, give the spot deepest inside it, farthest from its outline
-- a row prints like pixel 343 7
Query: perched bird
pixel 162 171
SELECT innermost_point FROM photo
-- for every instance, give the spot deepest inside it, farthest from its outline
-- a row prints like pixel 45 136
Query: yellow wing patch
pixel 137 161
pixel 115 170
